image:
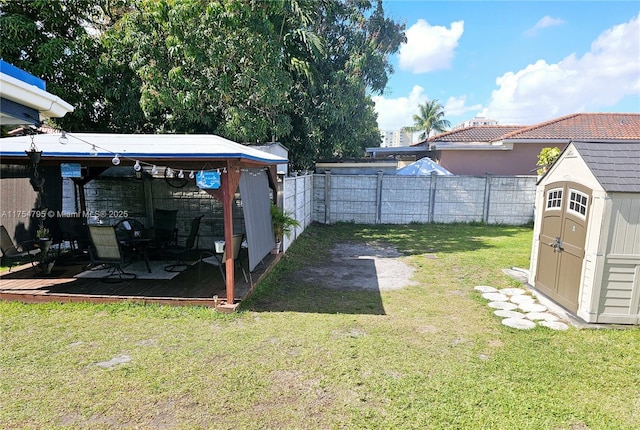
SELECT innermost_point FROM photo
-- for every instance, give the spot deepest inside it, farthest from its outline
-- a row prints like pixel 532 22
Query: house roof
pixel 170 147
pixel 582 126
pixel 578 126
pixel 478 133
pixel 25 99
pixel 615 165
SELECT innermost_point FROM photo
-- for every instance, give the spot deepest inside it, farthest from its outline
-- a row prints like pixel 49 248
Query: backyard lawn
pixel 300 355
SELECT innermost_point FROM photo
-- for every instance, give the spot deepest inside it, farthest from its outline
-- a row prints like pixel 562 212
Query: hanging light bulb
pixel 192 175
pixel 169 172
pixel 115 160
pixel 137 167
pixel 154 170
pixel 63 139
pixel 94 151
pixel 181 174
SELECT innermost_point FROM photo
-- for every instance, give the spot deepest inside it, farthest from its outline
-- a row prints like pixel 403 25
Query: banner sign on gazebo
pixel 209 180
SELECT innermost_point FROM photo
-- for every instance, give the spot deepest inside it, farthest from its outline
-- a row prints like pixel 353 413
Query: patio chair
pixel 12 252
pixel 164 227
pixel 105 251
pixel 220 260
pixel 180 252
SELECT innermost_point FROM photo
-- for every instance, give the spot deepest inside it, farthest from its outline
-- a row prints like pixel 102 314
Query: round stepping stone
pixel 554 325
pixel 509 314
pixel 522 299
pixel 519 323
pixel 485 289
pixel 495 297
pixel 503 305
pixel 541 316
pixel 512 291
pixel 532 307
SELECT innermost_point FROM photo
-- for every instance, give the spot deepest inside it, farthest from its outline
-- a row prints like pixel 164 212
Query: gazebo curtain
pixel 254 191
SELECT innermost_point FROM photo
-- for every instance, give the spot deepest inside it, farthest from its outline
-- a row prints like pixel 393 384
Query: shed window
pixel 578 203
pixel 554 199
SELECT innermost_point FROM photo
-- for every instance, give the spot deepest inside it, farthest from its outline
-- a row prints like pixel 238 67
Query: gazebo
pixel 217 165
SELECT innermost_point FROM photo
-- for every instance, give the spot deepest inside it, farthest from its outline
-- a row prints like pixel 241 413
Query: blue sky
pixel 512 61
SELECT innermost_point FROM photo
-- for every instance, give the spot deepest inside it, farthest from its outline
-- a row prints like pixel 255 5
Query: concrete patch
pixel 503 305
pixel 485 289
pixel 357 266
pixel 508 314
pixel 521 324
pixel 495 297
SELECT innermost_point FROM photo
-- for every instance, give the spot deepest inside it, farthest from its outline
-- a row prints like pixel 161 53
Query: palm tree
pixel 431 118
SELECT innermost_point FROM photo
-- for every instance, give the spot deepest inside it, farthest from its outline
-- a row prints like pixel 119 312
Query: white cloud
pixel 428 47
pixel 546 21
pixel 394 114
pixel 456 106
pixel 599 79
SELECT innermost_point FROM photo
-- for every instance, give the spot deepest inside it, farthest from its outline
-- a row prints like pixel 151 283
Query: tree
pixel 430 119
pixel 546 158
pixel 59 41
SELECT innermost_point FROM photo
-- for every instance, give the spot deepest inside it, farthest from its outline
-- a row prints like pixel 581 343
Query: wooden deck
pixel 191 287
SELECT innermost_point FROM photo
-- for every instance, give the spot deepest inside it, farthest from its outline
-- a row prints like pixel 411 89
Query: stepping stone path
pixel 518 309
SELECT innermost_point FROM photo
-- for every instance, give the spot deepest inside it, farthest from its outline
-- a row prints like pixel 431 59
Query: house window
pixel 578 203
pixel 554 199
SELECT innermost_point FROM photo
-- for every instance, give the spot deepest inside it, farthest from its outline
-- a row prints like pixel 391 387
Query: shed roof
pixel 475 133
pixel 616 166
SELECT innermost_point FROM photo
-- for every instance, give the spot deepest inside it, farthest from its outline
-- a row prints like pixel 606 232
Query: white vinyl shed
pixel 586 244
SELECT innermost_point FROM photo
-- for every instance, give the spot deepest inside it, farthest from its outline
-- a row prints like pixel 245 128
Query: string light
pixel 138 165
pixel 63 139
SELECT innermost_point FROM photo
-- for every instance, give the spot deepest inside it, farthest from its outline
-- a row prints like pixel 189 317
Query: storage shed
pixel 586 244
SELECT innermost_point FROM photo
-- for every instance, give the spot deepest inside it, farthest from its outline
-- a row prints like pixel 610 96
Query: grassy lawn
pixel 299 356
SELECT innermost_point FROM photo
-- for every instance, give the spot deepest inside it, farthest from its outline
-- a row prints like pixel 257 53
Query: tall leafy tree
pixel 334 116
pixel 59 41
pixel 429 119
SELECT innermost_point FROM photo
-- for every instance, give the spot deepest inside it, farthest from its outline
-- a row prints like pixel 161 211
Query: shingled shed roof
pixel 616 166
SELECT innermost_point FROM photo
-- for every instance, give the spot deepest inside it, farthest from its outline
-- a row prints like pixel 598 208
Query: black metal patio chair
pixel 12 252
pixel 105 251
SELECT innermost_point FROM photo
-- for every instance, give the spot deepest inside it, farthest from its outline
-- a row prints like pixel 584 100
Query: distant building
pixel 475 122
pixel 396 138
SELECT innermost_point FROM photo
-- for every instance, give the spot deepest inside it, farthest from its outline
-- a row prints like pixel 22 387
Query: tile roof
pixel 478 133
pixel 577 126
pixel 583 126
pixel 615 165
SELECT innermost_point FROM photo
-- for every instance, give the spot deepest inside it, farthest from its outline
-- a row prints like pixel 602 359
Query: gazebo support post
pixel 228 186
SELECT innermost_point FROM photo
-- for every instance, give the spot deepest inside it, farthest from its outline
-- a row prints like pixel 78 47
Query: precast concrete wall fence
pixel 391 199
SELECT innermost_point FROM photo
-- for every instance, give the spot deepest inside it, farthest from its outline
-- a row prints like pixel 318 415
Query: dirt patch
pixel 357 266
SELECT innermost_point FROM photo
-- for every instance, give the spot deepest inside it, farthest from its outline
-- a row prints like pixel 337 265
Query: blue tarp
pixel 423 167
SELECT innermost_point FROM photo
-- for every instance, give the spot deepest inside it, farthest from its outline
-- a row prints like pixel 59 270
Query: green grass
pixel 430 356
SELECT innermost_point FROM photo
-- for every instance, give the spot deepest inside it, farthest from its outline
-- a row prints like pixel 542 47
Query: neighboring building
pixel 276 148
pixel 396 138
pixel 586 241
pixel 474 122
pixel 357 166
pixel 24 99
pixel 513 150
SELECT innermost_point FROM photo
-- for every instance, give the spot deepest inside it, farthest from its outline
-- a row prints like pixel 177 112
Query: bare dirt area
pixel 361 266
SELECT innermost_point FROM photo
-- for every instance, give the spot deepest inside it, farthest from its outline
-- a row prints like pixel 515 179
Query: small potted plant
pixel 282 225
pixel 44 239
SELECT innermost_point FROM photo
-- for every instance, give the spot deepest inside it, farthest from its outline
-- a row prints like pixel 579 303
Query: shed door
pixel 562 239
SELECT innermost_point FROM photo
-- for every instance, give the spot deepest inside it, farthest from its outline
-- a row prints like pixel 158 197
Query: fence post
pixel 432 197
pixel 487 198
pixel 327 196
pixel 379 198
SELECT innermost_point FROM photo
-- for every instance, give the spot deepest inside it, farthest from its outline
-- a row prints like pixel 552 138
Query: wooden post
pixel 228 185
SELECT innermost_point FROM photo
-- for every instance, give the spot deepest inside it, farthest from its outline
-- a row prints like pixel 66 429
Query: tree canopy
pixel 299 71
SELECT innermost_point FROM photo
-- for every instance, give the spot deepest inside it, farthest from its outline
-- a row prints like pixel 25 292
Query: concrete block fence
pixel 327 199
